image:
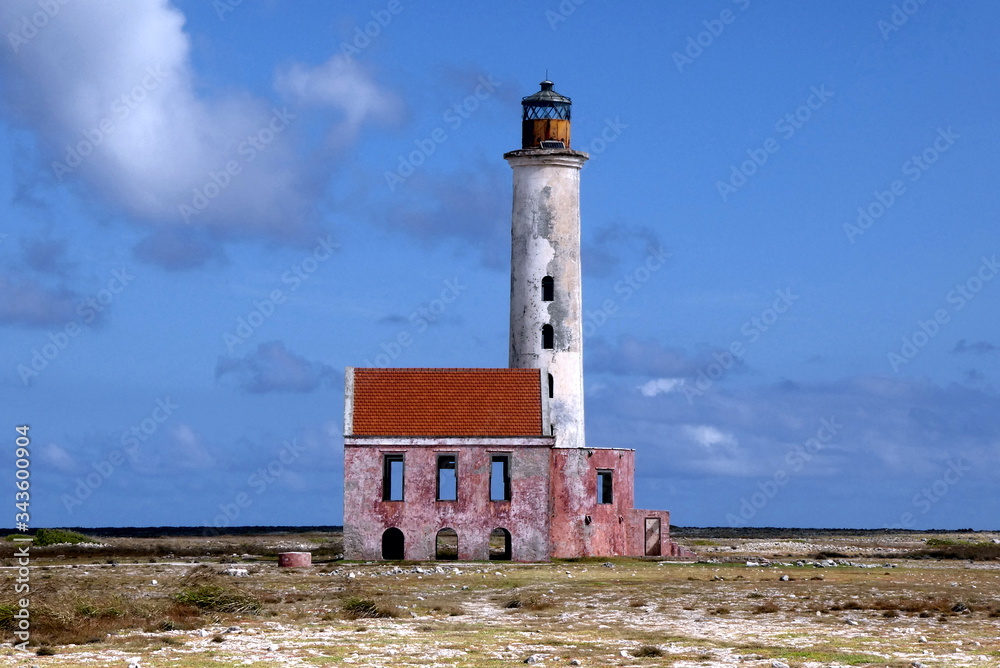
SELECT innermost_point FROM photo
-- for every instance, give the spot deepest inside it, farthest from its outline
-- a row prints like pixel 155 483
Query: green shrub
pixel 45 537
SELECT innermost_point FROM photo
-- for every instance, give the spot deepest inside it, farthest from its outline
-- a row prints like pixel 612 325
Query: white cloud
pixel 660 386
pixel 185 450
pixel 340 84
pixel 57 457
pixel 118 77
pixel 711 438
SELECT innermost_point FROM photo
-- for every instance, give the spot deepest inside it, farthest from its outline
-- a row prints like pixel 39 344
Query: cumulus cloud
pixel 613 244
pixel 978 348
pixel 630 356
pixel 883 428
pixel 660 386
pixel 29 303
pixel 470 208
pixel 46 256
pixel 177 248
pixel 109 90
pixel 57 457
pixel 272 368
pixel 341 85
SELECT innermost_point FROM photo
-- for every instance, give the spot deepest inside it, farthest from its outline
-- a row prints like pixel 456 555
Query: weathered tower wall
pixel 545 236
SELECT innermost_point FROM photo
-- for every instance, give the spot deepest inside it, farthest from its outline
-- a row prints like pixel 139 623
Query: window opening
pixel 392 477
pixel 447 478
pixel 500 478
pixel 604 487
pixel 548 289
pixel 548 337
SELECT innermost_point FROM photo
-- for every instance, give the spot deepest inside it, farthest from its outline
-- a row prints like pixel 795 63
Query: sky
pixel 789 219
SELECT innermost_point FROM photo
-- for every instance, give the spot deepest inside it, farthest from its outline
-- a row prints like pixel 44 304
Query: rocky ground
pixel 816 600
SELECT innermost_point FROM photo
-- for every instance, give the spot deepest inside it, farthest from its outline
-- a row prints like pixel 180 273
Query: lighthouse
pixel 546 300
pixel 492 463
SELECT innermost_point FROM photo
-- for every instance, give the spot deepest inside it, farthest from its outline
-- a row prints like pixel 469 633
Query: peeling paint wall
pixel 473 516
pixel 545 241
pixel 610 530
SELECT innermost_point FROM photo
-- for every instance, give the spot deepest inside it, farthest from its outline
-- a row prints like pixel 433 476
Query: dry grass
pixel 702 613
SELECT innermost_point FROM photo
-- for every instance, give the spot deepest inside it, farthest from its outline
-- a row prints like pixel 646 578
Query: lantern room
pixel 545 122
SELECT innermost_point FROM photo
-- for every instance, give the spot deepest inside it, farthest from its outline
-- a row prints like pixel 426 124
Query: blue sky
pixel 790 245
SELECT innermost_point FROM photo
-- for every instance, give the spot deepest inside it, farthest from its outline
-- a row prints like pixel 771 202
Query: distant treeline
pixel 784 532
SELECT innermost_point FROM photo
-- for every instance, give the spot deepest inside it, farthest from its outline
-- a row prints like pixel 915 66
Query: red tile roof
pixel 447 402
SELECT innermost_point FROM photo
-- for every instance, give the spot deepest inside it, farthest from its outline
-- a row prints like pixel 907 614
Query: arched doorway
pixel 392 544
pixel 446 545
pixel 500 545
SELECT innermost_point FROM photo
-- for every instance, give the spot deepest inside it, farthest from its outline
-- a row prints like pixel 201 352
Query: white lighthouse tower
pixel 546 302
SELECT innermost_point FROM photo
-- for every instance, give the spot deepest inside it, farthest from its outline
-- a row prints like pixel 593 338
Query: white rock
pixel 625 654
pixel 272 648
pixel 778 664
pixel 535 658
pixel 134 662
pixel 154 582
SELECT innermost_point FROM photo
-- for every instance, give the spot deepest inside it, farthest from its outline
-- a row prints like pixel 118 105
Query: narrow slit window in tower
pixel 447 479
pixel 548 289
pixel 548 337
pixel 552 386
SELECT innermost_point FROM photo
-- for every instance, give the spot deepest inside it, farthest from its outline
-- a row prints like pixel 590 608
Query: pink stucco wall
pixel 574 499
pixel 473 515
